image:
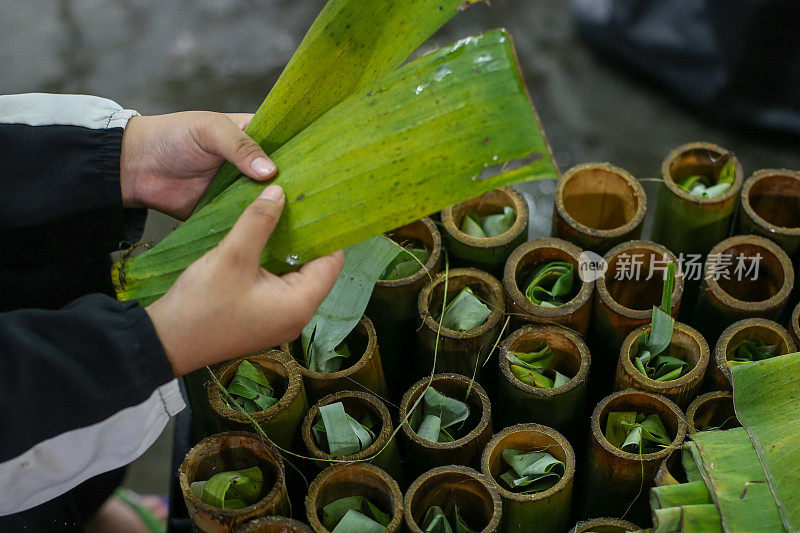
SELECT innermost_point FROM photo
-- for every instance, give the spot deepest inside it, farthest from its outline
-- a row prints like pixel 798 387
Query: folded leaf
pixel 489 225
pixel 231 490
pixel 435 521
pixel 250 388
pixel 533 471
pixel 531 368
pixel 436 414
pixel 615 433
pixel 550 284
pixel 407 262
pixel 335 511
pixel 637 433
pixel 343 434
pixel 355 522
pixel 465 312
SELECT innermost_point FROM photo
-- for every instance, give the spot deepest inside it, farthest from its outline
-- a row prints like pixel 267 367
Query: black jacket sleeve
pixel 85 386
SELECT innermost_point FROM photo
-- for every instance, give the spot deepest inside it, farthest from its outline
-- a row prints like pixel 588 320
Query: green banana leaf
pixel 699 185
pixel 414 141
pixel 350 43
pixel 341 433
pixel 489 225
pixel 766 396
pixel 636 433
pixel 465 312
pixel 407 262
pixel 355 522
pixel 531 368
pixel 437 414
pixel 531 472
pixel 688 518
pixel 751 350
pixel 230 490
pixel 693 493
pixel 435 521
pixel 334 512
pixel 550 284
pixel 250 388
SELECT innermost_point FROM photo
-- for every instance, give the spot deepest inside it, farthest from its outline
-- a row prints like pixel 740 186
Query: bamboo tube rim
pixel 292 376
pixel 363 327
pixel 452 216
pixel 766 245
pixel 561 442
pixel 672 463
pixel 388 485
pixel 587 526
pixel 637 192
pixel 686 333
pixel 571 254
pixel 679 422
pixel 737 329
pixel 372 403
pixel 430 264
pixel 490 283
pixel 795 322
pixel 674 155
pixel 272 457
pixel 753 181
pixel 471 475
pixel 273 524
pixel 651 248
pixel 544 330
pixel 703 401
pixel 477 394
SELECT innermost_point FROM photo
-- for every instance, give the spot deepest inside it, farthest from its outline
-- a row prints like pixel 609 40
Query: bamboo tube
pixel 724 301
pixel 670 471
pixel 713 409
pixel 574 314
pixel 477 500
pixel 598 206
pixel 690 224
pixel 546 511
pixel 357 404
pixel 743 330
pixel 487 253
pixel 459 351
pixel 561 408
pixel 794 325
pixel 354 479
pixel 365 374
pixel 614 479
pixel 223 452
pixel 687 345
pixel 279 422
pixel 395 300
pixel 604 525
pixel 274 524
pixel 424 454
pixel 770 207
pixel 622 305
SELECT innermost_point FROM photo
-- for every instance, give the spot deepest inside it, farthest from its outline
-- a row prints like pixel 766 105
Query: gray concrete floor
pixel 159 56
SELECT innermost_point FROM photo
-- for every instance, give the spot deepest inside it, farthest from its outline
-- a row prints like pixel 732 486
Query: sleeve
pixel 84 390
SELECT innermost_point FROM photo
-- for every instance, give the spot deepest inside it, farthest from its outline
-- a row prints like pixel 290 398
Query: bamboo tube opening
pixel 475 431
pixel 274 524
pixel 746 330
pixel 671 471
pixel 447 486
pixel 687 345
pixel 354 479
pixel 235 450
pixel 283 375
pixel 421 233
pixel 363 370
pixel 604 525
pixel 713 409
pixel 520 266
pixel 701 158
pixel 356 404
pixel 489 203
pixel 768 291
pixel 771 198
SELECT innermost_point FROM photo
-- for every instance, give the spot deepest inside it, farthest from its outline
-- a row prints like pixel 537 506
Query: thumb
pixel 246 240
pixel 225 138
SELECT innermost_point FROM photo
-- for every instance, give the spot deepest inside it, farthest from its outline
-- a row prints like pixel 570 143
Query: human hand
pixel 225 305
pixel 168 161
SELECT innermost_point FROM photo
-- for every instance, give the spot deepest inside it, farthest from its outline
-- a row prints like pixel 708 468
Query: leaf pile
pixel 436 521
pixel 235 489
pixel 465 312
pixel 705 186
pixel 490 225
pixel 752 350
pixel 354 514
pixel 532 368
pixel 437 416
pixel 550 284
pixel 250 388
pixel 532 471
pixel 340 433
pixel 635 432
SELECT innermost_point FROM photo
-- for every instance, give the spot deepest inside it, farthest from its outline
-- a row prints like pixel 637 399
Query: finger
pixel 246 240
pixel 316 278
pixel 242 120
pixel 224 138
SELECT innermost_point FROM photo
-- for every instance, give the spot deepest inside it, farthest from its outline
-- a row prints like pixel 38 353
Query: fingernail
pixel 273 192
pixel 262 166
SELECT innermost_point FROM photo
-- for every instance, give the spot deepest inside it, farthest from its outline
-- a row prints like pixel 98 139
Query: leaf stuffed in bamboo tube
pixel 351 426
pixel 770 207
pixel 697 198
pixel 678 371
pixel 470 321
pixel 523 399
pixel 644 428
pixel 274 524
pixel 748 340
pixel 745 276
pixel 482 232
pixel 710 411
pixel 452 498
pixel 604 525
pixel 541 288
pixel 360 369
pixel 598 206
pixel 629 289
pixel 236 455
pixel 464 423
pixel 345 498
pixel 282 416
pixel 532 467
